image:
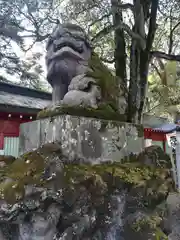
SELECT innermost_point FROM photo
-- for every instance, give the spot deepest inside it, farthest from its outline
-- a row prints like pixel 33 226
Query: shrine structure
pixel 17 105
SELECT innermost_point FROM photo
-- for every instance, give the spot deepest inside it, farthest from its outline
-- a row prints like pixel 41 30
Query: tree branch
pixel 152 25
pixel 165 15
pixel 31 18
pixel 12 58
pixel 152 108
pixel 36 25
pixel 124 27
pixel 170 57
pixel 11 33
pixel 171 36
pixel 38 37
pixel 120 6
pixel 156 69
pixel 100 19
pixel 87 9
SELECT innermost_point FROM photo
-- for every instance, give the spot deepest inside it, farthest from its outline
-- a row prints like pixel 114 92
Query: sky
pixel 38 47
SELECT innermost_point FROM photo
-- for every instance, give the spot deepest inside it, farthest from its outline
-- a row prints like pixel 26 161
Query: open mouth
pixel 71 43
pixel 66 51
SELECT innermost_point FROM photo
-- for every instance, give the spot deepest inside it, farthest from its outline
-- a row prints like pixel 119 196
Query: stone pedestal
pixel 57 197
pixel 83 139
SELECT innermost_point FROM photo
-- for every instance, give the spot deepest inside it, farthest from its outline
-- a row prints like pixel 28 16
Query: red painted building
pixel 17 105
pixel 164 135
pixel 156 131
pixel 156 136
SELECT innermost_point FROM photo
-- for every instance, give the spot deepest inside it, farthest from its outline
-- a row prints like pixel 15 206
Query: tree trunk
pixel 134 95
pixel 139 67
pixel 144 69
pixel 145 55
pixel 120 44
pixel 134 86
pixel 140 59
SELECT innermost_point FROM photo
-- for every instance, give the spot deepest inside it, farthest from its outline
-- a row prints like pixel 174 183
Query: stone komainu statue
pixel 77 75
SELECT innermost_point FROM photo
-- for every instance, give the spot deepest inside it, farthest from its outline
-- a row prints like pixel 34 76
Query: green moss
pixel 28 169
pixel 98 179
pixel 135 174
pixel 130 174
pixel 151 221
pixel 31 164
pixel 104 111
pixel 7 159
pixel 12 191
pixel 156 157
pixel 160 235
pixel 108 83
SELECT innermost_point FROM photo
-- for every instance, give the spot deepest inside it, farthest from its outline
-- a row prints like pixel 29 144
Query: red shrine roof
pixel 163 129
pixel 168 128
pixel 14 98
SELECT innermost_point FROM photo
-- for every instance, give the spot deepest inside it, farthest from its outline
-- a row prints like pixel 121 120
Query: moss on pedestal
pixel 104 111
pixel 108 83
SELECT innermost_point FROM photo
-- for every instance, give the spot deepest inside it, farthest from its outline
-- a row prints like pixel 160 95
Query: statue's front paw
pixel 93 103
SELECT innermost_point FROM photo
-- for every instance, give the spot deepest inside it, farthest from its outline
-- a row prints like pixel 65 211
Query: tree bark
pixel 145 57
pixel 134 86
pixel 120 44
pixel 140 60
pixel 134 94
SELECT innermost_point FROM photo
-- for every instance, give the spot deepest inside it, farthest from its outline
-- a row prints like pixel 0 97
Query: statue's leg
pixel 59 92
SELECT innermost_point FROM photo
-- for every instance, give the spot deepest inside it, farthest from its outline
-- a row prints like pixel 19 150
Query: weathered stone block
pixel 83 139
pixel 29 136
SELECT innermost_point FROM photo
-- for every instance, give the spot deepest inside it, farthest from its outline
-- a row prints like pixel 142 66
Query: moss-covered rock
pixel 156 181
pixel 28 169
pixel 87 190
pixel 155 156
pixel 7 159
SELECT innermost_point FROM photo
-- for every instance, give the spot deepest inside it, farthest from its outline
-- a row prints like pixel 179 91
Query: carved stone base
pixel 83 139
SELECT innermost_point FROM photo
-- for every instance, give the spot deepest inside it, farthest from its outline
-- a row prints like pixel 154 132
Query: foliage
pixel 164 90
pixel 23 23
